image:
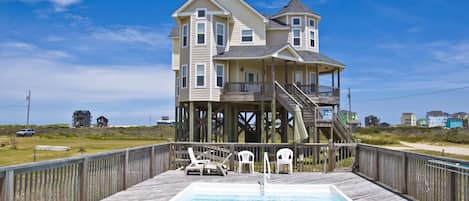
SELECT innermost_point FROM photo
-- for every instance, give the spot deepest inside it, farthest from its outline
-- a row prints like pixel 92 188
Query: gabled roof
pixel 175 14
pixel 295 7
pixel 316 58
pixel 258 52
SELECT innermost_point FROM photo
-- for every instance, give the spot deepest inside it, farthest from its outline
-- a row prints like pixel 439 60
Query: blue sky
pixel 113 57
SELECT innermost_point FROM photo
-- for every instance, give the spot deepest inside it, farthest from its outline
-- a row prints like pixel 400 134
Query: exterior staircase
pixel 294 96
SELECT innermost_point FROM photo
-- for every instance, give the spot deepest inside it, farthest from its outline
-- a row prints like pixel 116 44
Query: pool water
pixel 251 192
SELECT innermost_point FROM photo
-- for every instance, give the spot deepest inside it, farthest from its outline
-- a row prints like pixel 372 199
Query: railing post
pixel 405 173
pixel 356 162
pixel 7 186
pixel 126 169
pixel 376 177
pixel 452 187
pixel 170 157
pixel 232 158
pixel 331 161
pixel 84 180
pixel 152 161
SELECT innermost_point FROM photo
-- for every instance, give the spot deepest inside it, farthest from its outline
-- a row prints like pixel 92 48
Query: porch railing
pixel 247 87
pixel 98 176
pixel 328 91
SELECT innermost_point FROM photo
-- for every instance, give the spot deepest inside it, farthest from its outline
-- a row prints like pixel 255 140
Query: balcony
pixel 323 95
pixel 247 91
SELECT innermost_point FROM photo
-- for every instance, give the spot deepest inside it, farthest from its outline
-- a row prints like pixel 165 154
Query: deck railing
pixel 247 87
pixel 98 176
pixel 419 176
pixel 328 91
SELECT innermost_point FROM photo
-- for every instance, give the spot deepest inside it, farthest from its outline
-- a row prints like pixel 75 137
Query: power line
pixel 417 94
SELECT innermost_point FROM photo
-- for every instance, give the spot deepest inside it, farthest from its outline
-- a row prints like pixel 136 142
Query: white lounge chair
pixel 205 165
pixel 246 158
pixel 285 157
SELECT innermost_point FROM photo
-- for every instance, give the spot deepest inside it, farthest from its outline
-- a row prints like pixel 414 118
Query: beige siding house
pixel 239 71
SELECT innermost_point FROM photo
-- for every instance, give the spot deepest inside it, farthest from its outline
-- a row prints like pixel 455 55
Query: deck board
pixel 167 185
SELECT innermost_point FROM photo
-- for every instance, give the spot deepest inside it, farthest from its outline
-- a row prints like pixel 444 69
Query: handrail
pixel 267 164
pixel 288 94
pixel 304 94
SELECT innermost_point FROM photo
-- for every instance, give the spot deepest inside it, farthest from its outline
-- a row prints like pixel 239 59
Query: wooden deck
pixel 167 185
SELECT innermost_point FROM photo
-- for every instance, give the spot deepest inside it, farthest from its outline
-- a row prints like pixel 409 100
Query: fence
pixel 421 177
pixel 92 177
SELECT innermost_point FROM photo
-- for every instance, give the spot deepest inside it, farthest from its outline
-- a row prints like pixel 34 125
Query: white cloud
pixel 59 5
pixel 147 36
pixel 54 80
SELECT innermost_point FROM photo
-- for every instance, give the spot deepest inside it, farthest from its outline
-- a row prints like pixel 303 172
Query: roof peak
pixel 295 6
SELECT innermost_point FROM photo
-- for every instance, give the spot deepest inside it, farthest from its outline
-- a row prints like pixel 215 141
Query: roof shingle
pixel 295 6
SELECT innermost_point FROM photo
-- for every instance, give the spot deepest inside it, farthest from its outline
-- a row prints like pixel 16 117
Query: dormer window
pixel 296 21
pixel 246 35
pixel 201 13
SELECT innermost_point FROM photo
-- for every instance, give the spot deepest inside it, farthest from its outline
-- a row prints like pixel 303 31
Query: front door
pixel 251 80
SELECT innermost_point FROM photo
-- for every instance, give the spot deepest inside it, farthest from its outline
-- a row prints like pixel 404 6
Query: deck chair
pixel 285 157
pixel 205 165
pixel 196 164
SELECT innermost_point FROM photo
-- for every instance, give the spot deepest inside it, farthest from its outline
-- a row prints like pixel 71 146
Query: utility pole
pixel 28 98
pixel 149 121
pixel 349 96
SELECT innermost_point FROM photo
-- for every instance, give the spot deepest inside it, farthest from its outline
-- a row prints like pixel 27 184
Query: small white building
pixel 437 119
pixel 409 120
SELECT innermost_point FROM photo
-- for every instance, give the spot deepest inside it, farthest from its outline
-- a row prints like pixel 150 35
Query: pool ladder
pixel 267 173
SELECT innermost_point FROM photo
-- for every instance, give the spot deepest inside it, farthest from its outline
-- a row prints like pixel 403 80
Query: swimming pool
pixel 251 192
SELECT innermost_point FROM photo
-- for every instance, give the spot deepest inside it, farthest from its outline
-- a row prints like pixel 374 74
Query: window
pixel 296 37
pixel 312 22
pixel 184 76
pixel 220 34
pixel 201 33
pixel 311 39
pixel 220 74
pixel 296 21
pixel 201 13
pixel 246 35
pixel 200 68
pixel 185 33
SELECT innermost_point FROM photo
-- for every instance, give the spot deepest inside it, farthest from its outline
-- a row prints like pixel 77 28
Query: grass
pixel 92 140
pixel 392 136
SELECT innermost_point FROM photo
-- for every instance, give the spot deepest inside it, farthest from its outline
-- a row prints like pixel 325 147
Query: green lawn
pixel 89 140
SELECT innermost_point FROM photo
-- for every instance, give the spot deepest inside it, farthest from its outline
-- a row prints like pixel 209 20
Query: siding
pixel 201 4
pixel 305 33
pixel 201 54
pixel 176 54
pixel 277 37
pixel 185 59
pixel 244 18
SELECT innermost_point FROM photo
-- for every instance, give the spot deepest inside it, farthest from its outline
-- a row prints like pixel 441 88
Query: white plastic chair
pixel 246 157
pixel 196 164
pixel 285 157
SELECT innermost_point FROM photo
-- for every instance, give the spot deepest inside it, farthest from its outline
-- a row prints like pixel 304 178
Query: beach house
pixel 238 72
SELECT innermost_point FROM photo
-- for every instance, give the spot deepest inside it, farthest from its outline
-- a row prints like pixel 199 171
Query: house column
pixel 227 123
pixel 317 80
pixel 191 121
pixel 286 73
pixel 209 122
pixel 273 105
pixel 284 115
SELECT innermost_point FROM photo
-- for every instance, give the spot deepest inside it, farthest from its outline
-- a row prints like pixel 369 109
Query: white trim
pixel 293 37
pixel 187 36
pixel 314 38
pixel 197 13
pixel 210 73
pixel 297 13
pixel 178 13
pixel 182 75
pixel 196 75
pixel 252 36
pixel 216 76
pixel 224 34
pixel 296 25
pixel 197 34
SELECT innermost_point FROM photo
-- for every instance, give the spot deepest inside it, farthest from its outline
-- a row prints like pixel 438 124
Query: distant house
pixel 371 121
pixel 422 123
pixel 384 125
pixel 82 119
pixel 454 123
pixel 464 116
pixel 102 121
pixel 349 118
pixel 408 120
pixel 437 119
pixel 165 121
